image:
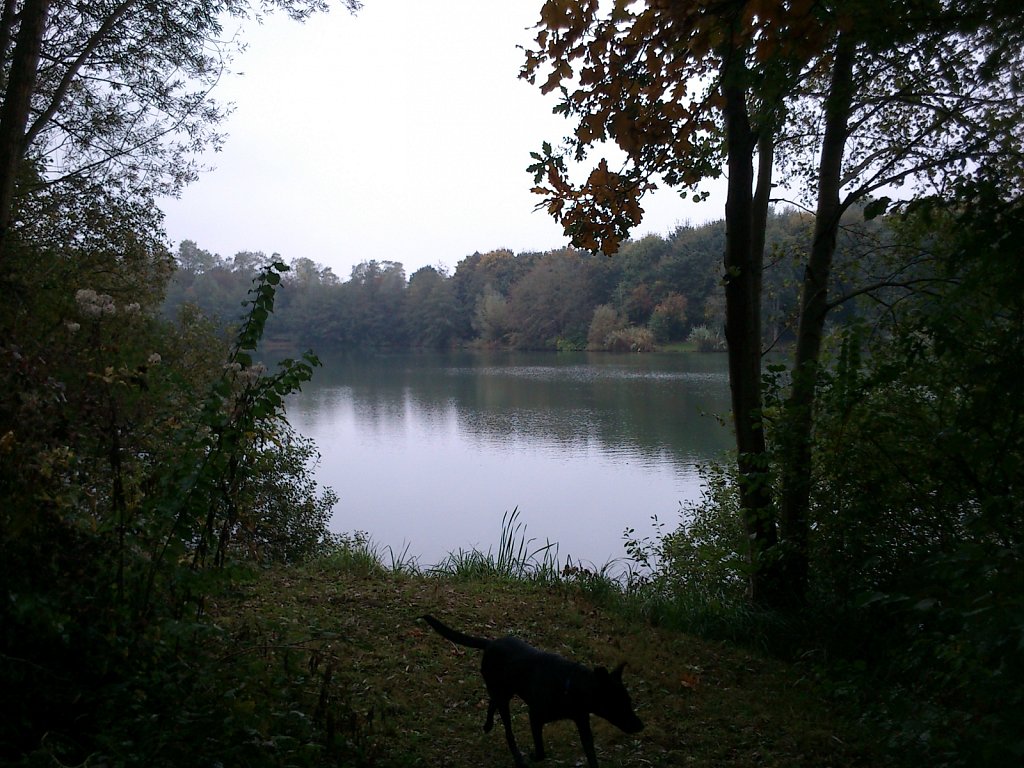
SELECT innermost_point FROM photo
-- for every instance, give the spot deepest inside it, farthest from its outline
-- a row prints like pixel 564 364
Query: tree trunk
pixel 743 267
pixel 14 113
pixel 8 17
pixel 798 424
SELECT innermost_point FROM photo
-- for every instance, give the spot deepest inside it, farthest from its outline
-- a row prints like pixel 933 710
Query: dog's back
pixel 545 681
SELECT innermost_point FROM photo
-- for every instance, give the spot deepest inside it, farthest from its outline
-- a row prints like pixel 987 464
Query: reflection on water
pixel 429 450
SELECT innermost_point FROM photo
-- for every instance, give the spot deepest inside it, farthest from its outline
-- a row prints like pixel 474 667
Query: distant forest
pixel 655 291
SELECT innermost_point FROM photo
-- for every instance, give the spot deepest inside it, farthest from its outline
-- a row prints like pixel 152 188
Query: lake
pixel 428 451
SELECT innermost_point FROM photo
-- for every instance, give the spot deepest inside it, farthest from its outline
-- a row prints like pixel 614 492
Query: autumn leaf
pixel 599 177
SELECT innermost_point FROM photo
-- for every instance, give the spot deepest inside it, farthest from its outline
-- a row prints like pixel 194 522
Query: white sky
pixel 400 133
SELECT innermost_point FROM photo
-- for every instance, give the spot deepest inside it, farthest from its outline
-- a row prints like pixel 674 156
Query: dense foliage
pixel 915 604
pixel 917 505
pixel 144 465
pixel 140 461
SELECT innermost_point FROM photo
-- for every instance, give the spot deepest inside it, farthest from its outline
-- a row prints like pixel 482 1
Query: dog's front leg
pixel 537 728
pixel 587 737
pixel 506 719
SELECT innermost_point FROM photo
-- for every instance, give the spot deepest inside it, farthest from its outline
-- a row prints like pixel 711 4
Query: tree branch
pixel 75 67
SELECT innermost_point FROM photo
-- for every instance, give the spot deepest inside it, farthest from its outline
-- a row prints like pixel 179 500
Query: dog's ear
pixel 617 672
pixel 601 672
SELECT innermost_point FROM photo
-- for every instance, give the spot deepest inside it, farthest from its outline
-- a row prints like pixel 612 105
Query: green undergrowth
pixel 334 650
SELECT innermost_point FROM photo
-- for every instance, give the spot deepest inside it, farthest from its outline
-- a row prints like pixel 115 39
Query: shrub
pixel 705 339
pixel 570 343
pixel 705 553
pixel 604 323
pixel 668 321
pixel 285 518
pixel 630 339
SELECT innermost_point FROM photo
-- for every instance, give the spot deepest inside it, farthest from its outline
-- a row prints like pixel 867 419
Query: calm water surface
pixel 428 451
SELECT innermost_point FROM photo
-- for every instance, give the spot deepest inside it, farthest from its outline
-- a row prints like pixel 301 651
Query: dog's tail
pixel 456 637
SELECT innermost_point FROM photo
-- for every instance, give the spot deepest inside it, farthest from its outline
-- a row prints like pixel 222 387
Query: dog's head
pixel 613 702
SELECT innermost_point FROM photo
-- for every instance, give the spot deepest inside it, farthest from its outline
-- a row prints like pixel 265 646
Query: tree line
pixel 655 291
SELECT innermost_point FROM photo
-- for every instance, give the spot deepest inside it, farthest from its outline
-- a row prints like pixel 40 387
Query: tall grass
pixel 516 558
pixel 356 553
pixel 632 586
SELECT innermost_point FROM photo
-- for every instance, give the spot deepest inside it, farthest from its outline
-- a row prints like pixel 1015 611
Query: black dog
pixel 553 688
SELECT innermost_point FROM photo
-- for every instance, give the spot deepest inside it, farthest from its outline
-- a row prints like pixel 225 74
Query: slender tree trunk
pixel 744 248
pixel 17 97
pixel 8 16
pixel 798 424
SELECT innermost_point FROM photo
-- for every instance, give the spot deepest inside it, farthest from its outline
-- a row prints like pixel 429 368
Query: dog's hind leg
pixel 506 719
pixel 489 722
pixel 537 729
pixel 587 737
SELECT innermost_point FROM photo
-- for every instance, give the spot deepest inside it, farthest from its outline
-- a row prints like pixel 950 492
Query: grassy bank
pixel 336 644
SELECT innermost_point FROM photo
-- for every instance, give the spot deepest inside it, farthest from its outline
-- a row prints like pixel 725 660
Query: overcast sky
pixel 401 133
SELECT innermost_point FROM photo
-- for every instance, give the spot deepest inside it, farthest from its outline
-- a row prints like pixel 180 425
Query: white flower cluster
pixel 245 377
pixel 92 304
pixel 251 375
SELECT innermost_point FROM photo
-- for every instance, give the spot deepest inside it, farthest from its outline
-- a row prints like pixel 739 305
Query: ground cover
pixel 385 690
